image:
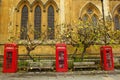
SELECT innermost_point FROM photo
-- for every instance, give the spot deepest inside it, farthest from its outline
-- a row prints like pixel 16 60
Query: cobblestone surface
pixel 57 76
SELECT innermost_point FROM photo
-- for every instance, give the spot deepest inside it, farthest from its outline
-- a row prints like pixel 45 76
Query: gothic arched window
pixel 37 23
pixel 24 21
pixel 117 22
pixel 51 22
pixel 90 14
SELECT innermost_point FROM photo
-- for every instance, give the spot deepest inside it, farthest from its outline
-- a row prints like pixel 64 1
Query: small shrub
pixel 22 63
pixel 77 59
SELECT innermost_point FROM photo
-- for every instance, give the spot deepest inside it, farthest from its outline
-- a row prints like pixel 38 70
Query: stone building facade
pixel 39 14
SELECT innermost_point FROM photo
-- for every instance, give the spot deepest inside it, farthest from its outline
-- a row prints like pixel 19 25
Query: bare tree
pixel 27 42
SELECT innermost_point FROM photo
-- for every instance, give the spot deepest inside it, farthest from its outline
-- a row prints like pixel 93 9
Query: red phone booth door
pixel 109 65
pixel 8 60
pixel 61 59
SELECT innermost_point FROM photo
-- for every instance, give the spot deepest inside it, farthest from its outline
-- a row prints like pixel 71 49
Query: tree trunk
pixel 83 53
pixel 28 53
pixel 74 54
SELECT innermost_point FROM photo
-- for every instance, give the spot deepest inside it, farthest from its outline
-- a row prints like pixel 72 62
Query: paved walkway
pixel 80 75
pixel 37 76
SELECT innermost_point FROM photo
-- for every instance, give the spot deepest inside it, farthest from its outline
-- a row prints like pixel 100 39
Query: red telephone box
pixel 10 58
pixel 107 58
pixel 61 58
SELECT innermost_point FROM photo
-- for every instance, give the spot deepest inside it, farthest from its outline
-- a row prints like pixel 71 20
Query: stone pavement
pixel 77 75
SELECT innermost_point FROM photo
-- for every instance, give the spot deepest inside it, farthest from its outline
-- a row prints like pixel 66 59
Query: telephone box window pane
pixel 108 56
pixel 9 60
pixel 89 11
pixel 85 18
pixel 50 22
pixel 94 20
pixel 61 59
pixel 37 23
pixel 24 21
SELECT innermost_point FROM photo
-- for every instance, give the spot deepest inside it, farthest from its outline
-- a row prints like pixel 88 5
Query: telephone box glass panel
pixel 61 59
pixel 108 56
pixel 8 60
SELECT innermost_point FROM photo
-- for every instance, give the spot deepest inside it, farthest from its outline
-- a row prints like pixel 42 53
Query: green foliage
pixel 106 33
pixel 70 64
pixel 86 35
pixel 22 63
pixel 77 59
pixel 1 64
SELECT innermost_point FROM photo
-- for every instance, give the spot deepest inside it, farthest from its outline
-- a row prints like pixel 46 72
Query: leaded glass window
pixel 94 20
pixel 89 11
pixel 37 22
pixel 50 22
pixel 85 18
pixel 24 21
pixel 117 22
